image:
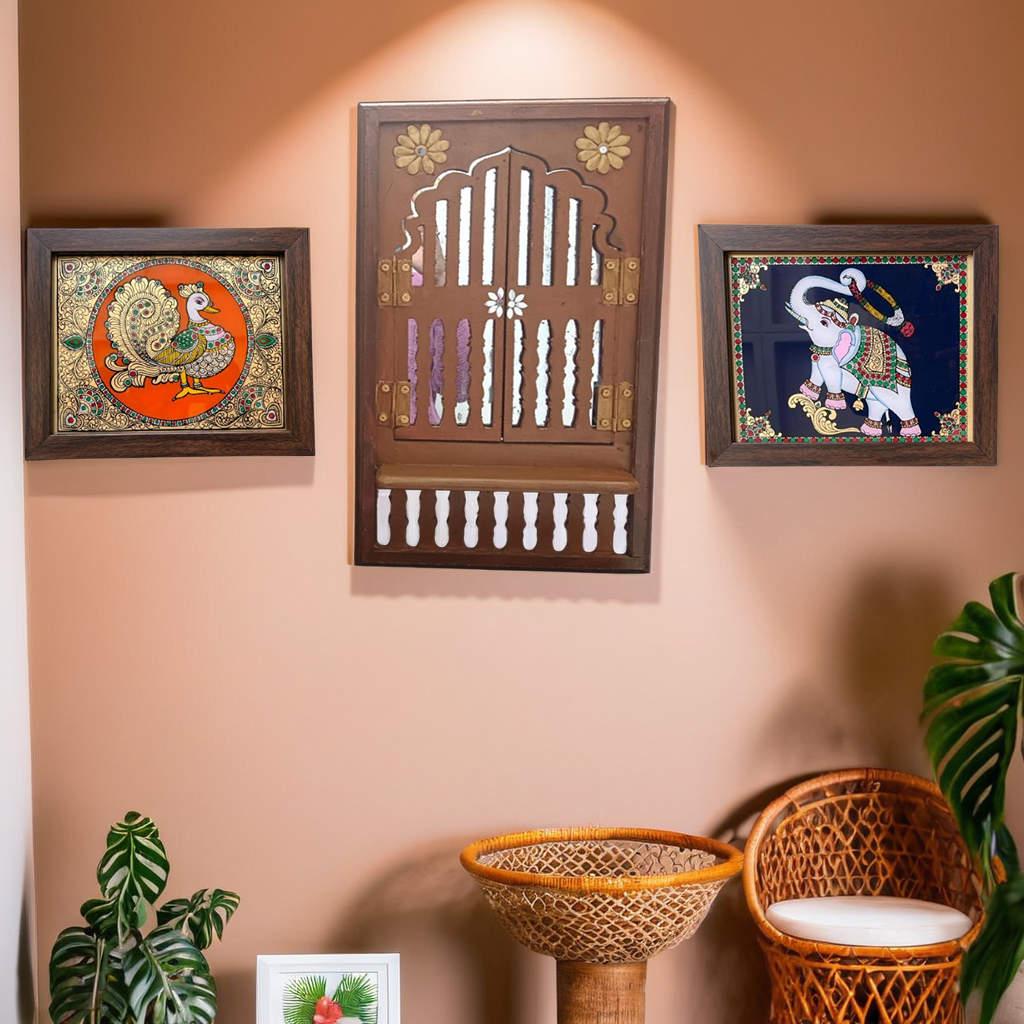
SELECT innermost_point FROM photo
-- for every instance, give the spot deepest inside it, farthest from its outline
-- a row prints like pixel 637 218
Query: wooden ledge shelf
pixel 539 479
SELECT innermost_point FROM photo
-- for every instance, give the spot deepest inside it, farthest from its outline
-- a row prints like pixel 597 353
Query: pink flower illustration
pixel 327 1011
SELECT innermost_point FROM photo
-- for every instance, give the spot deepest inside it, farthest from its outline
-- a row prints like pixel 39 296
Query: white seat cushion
pixel 868 920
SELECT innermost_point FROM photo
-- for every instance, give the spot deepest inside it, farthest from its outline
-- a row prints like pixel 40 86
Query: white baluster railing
pixel 550 533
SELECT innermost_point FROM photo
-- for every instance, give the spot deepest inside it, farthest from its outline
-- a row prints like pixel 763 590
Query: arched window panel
pixel 509 282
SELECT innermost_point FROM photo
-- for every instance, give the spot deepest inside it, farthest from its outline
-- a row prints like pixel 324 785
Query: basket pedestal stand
pixel 601 902
pixel 601 993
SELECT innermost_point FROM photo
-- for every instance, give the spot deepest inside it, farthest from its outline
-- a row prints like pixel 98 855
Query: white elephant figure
pixel 847 356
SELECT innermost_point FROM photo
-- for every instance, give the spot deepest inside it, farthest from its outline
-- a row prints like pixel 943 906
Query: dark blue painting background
pixel 777 358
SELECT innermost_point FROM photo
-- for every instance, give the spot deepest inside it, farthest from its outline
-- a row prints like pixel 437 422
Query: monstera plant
pixel 972 708
pixel 109 972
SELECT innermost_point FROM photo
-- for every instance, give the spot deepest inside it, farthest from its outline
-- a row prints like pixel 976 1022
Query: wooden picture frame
pixel 904 369
pixel 109 363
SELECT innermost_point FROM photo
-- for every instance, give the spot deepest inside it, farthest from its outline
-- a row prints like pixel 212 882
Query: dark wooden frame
pixel 291 245
pixel 371 116
pixel 717 242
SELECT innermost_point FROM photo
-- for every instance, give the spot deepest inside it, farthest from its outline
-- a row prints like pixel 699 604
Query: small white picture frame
pixel 303 989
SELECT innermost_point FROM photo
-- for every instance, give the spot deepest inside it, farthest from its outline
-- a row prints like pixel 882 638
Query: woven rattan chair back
pixel 861 832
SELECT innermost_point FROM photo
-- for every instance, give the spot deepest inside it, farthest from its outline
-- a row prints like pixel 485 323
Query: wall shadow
pixel 101 219
pixel 388 581
pixel 890 622
pixel 236 995
pixel 170 475
pixel 726 945
pixel 425 906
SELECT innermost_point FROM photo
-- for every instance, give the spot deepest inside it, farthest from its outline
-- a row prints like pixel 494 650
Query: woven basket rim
pixel 732 860
pixel 770 815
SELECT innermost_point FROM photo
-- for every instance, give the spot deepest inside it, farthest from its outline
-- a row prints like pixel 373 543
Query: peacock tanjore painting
pixel 168 343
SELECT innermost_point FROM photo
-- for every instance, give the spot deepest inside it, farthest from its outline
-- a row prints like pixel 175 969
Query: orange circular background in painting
pixel 157 400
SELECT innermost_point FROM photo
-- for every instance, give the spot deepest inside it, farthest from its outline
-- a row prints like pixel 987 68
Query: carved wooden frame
pixel 44 246
pixel 726 444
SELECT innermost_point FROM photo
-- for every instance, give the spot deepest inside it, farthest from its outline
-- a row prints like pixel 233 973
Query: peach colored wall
pixel 202 649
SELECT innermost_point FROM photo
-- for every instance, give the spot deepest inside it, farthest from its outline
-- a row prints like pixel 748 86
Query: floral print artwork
pixel 309 1000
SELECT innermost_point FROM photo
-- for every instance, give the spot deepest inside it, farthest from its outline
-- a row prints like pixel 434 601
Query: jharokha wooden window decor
pixel 849 345
pixel 509 296
pixel 176 341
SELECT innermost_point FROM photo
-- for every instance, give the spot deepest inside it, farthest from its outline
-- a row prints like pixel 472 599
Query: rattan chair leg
pixel 601 993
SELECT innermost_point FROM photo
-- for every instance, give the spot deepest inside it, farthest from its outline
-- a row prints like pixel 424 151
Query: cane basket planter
pixel 601 902
pixel 861 832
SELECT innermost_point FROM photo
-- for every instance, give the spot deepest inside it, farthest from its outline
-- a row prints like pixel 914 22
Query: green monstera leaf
pixel 85 983
pixel 168 980
pixel 991 963
pixel 972 709
pixel 133 871
pixel 201 916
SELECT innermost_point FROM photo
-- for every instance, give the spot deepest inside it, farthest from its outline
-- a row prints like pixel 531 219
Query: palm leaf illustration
pixel 300 998
pixel 356 994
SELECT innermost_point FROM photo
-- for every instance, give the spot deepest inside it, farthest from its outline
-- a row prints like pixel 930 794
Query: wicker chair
pixel 861 832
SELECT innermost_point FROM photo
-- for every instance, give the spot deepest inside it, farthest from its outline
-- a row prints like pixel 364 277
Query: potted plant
pixel 972 709
pixel 109 972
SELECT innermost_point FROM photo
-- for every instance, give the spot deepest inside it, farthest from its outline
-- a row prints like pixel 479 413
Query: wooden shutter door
pixel 445 344
pixel 509 276
pixel 560 338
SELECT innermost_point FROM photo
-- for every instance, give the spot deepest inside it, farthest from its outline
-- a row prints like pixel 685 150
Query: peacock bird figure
pixel 144 326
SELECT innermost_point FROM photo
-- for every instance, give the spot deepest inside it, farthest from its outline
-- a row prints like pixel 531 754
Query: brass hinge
pixel 394 281
pixel 615 404
pixel 620 282
pixel 393 403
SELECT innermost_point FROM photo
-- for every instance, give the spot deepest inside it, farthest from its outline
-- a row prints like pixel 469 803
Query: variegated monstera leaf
pixel 109 972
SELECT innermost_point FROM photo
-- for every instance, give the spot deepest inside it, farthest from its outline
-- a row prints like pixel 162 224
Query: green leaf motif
pixel 300 998
pixel 84 980
pixel 972 709
pixel 167 977
pixel 202 916
pixel 133 871
pixel 266 340
pixel 73 342
pixel 356 994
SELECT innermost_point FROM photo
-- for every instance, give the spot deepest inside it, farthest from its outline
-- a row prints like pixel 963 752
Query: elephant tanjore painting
pixel 852 349
pixel 878 354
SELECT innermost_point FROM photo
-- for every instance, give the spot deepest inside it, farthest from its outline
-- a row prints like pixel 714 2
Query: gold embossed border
pixel 952 425
pixel 246 420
